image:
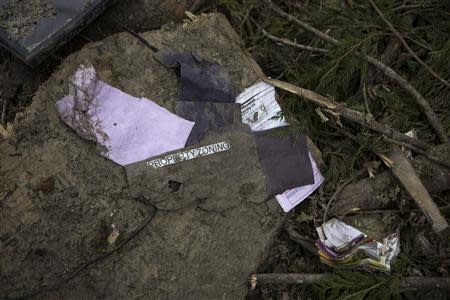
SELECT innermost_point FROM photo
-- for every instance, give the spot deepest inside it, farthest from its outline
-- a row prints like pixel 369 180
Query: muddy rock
pixel 207 180
pixel 61 202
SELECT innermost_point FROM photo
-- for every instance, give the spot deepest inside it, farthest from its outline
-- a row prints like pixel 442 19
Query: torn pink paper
pixel 130 129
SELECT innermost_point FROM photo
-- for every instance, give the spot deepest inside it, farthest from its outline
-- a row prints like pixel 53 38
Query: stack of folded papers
pixel 343 246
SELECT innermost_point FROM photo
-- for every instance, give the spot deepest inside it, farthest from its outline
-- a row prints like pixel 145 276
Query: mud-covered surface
pixel 62 204
pixel 19 18
pixel 208 181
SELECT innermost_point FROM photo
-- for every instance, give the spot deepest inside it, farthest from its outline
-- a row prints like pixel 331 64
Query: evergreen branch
pixel 405 44
pixel 346 53
pixel 347 113
pixel 387 71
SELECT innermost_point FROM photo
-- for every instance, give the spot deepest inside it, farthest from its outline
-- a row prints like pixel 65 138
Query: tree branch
pixel 406 283
pixel 347 113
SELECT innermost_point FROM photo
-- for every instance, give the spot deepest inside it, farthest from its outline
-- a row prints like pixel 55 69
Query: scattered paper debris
pixel 130 129
pixel 291 198
pixel 343 246
pixel 260 109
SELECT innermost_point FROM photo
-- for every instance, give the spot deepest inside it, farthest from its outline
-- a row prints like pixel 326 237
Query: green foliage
pixel 345 285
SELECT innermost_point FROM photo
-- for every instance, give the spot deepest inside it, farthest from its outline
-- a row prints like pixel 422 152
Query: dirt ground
pixel 19 18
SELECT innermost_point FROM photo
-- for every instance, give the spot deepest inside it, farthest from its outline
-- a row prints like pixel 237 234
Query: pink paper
pixel 130 129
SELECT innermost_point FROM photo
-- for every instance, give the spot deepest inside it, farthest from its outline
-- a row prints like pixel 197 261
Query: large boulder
pixel 62 204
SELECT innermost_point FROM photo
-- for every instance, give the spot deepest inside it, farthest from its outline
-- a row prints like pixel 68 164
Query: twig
pixel 2 120
pixel 406 283
pixel 347 113
pixel 336 193
pixel 139 37
pixel 403 6
pixel 405 44
pixel 389 72
pixel 366 100
pixel 294 278
pixel 391 211
pixel 288 42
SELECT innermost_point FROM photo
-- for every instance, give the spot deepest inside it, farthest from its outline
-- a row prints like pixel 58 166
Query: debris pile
pixel 192 215
pixel 343 246
pixel 131 129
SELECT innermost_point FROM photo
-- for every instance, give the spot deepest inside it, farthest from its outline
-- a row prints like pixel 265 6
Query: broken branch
pixel 405 173
pixel 347 113
pixel 406 283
